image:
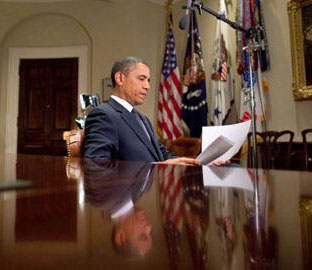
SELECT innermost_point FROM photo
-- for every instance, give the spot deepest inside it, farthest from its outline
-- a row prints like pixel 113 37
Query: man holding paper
pixel 116 131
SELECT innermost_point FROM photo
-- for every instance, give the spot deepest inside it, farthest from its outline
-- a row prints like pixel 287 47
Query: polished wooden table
pixel 89 214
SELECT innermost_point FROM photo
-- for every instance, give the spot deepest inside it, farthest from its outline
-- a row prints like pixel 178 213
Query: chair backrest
pixel 271 154
pixel 264 142
pixel 281 158
pixel 185 146
pixel 74 140
pixel 306 135
pixel 74 168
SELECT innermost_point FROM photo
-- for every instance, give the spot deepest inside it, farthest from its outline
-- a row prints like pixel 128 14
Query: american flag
pixel 169 122
pixel 171 193
pixel 171 204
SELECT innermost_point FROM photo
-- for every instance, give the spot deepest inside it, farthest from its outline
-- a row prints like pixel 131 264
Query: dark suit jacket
pixel 113 133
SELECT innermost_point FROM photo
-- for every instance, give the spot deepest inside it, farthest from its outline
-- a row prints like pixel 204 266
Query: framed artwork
pixel 300 22
pixel 107 88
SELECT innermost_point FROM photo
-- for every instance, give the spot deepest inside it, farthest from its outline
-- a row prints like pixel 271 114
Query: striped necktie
pixel 138 118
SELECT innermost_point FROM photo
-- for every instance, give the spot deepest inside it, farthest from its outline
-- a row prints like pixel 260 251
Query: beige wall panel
pixel 137 27
pixel 282 108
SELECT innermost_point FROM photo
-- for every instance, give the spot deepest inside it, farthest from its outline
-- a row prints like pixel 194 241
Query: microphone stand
pixel 249 91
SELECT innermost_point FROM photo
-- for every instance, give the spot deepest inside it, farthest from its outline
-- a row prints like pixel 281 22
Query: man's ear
pixel 119 78
pixel 120 237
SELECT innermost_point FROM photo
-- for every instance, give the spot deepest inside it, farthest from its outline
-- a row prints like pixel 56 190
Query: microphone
pixel 185 20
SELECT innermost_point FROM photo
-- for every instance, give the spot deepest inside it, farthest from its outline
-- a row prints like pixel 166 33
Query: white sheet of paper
pixel 236 177
pixel 214 150
pixel 235 133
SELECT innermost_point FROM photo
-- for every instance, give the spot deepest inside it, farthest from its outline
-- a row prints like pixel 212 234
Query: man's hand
pixel 220 162
pixel 191 162
pixel 182 161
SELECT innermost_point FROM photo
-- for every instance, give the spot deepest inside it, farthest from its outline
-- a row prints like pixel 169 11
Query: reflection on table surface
pixel 95 214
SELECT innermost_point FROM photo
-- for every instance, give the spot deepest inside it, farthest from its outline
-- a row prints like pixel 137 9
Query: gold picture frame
pixel 305 211
pixel 301 47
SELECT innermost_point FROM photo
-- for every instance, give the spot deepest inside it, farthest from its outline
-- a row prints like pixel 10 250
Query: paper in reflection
pixel 227 176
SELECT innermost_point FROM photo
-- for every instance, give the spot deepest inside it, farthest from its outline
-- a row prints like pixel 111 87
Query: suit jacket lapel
pixel 130 120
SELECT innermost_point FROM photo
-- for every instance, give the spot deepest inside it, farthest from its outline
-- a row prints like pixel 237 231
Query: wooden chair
pixel 282 157
pixel 307 134
pixel 165 142
pixel 185 147
pixel 264 142
pixel 270 153
pixel 74 140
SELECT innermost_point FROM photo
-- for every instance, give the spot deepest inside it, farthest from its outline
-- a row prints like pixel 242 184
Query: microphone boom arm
pixel 221 17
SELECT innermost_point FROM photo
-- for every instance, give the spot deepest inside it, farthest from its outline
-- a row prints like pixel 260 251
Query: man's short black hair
pixel 124 250
pixel 124 66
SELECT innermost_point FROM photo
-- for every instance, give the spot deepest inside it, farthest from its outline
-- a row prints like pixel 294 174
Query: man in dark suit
pixel 115 130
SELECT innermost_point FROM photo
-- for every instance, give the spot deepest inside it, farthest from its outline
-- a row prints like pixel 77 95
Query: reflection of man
pixel 115 131
pixel 115 187
pixel 132 233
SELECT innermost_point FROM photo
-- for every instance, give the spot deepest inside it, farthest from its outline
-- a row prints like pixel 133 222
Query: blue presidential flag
pixel 194 103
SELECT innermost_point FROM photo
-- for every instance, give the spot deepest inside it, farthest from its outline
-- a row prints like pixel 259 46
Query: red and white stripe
pixel 171 194
pixel 169 121
pixel 224 71
pixel 169 106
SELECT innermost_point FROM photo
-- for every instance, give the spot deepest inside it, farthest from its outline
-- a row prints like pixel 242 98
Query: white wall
pixel 137 27
pixel 109 30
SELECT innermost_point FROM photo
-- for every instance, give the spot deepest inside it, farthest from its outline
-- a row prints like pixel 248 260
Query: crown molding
pixel 163 2
pixel 158 2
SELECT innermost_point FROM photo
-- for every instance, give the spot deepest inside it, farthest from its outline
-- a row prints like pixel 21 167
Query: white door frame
pixel 15 56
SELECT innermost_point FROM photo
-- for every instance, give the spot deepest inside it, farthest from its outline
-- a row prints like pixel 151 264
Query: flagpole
pixel 252 46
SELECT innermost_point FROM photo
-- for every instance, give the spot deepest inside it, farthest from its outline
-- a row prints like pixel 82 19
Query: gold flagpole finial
pixel 169 5
pixel 169 13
